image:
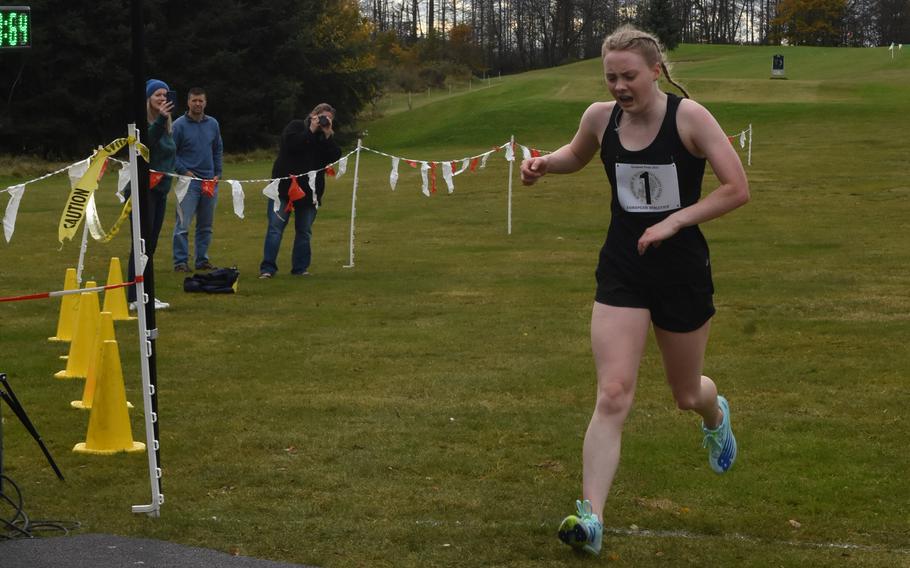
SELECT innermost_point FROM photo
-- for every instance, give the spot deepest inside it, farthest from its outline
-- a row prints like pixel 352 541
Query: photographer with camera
pixel 306 145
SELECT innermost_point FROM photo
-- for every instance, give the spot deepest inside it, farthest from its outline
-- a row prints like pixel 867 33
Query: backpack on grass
pixel 218 281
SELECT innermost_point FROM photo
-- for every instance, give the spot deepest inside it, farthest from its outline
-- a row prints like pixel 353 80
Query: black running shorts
pixel 680 308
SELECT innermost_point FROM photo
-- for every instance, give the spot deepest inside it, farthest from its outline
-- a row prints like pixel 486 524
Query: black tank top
pixel 647 186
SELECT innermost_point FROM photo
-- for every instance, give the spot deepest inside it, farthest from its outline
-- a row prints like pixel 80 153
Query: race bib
pixel 647 188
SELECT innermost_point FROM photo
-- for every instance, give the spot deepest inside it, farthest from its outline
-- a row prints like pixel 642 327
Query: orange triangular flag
pixel 154 179
pixel 208 187
pixel 294 193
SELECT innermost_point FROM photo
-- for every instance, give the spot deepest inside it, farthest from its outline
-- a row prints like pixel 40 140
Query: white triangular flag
pixel 424 169
pixel 393 175
pixel 342 167
pixel 742 139
pixel 510 152
pixel 12 209
pixel 525 153
pixel 76 171
pixel 311 180
pixel 464 166
pixel 483 161
pixel 181 187
pixel 271 191
pixel 123 178
pixel 237 195
pixel 447 174
pixel 891 48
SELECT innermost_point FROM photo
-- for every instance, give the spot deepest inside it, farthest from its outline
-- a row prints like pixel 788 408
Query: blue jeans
pixel 203 208
pixel 303 234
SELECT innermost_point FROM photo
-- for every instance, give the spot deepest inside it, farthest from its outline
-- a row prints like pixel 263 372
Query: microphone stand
pixel 7 394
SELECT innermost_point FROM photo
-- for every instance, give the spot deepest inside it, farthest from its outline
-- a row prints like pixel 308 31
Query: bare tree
pixel 524 34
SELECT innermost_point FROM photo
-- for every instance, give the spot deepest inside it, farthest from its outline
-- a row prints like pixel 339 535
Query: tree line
pixel 264 63
pixel 514 35
pixel 261 64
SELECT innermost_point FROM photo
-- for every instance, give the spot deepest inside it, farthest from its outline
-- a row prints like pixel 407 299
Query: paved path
pixel 108 551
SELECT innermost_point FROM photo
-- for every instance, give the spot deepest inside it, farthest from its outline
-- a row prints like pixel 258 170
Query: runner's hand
pixel 533 169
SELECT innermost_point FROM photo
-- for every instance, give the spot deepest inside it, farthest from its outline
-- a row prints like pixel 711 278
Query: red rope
pixel 69 292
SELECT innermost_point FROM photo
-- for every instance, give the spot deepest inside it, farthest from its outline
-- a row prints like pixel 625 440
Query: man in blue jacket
pixel 199 152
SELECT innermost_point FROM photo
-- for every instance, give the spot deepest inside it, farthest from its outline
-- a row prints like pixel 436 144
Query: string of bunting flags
pixel 86 174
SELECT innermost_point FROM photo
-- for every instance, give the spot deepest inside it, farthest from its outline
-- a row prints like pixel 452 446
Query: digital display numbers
pixel 15 27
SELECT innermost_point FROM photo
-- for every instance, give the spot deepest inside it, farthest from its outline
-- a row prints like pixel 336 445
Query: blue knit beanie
pixel 153 85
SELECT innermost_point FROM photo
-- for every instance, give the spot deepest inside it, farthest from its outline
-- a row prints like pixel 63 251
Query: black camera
pixel 324 121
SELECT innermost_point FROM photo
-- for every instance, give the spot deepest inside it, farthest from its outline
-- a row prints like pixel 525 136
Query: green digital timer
pixel 15 27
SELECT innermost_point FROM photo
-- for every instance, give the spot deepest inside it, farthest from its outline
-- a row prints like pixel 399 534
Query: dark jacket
pixel 162 154
pixel 299 152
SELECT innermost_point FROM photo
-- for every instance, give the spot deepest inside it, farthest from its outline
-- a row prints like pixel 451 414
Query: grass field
pixel 427 407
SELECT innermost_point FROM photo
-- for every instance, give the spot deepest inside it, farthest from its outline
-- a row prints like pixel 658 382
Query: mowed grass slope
pixel 427 407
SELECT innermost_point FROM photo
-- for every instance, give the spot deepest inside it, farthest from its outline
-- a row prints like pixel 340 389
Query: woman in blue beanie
pixel 162 159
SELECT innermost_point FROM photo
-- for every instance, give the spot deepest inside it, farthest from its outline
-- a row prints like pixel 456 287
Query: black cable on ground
pixel 19 525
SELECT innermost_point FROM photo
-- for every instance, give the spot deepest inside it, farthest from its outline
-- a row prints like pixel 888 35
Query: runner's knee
pixel 615 397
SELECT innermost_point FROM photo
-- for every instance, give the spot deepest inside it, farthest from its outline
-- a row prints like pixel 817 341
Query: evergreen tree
pixel 660 19
pixel 261 65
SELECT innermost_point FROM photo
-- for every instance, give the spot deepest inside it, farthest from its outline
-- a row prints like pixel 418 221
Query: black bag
pixel 219 281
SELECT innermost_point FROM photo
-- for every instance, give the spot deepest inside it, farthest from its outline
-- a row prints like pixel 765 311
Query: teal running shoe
pixel 720 441
pixel 583 531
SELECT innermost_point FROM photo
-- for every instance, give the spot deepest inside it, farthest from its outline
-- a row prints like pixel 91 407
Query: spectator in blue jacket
pixel 199 151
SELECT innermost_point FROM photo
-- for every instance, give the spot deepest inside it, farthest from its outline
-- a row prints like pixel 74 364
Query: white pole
pixel 350 263
pixel 82 250
pixel 145 345
pixel 511 166
pixel 749 160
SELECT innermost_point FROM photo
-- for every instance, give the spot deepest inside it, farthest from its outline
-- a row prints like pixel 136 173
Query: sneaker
pixel 206 265
pixel 159 305
pixel 720 441
pixel 304 273
pixel 583 531
pixel 181 267
pixel 265 275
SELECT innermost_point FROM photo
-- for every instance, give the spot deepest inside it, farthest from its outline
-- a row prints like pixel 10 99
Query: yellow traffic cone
pixel 109 430
pixel 115 299
pixel 105 332
pixel 81 345
pixel 69 305
pixel 75 324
